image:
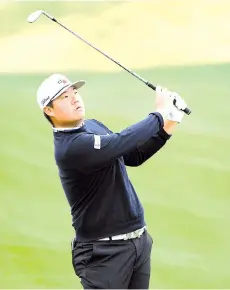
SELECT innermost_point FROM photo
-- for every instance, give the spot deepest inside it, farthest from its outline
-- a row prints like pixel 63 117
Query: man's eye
pixel 65 97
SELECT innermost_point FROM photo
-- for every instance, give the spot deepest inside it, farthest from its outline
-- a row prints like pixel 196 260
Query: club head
pixel 34 16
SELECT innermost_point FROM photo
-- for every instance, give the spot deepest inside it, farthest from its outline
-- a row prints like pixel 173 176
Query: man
pixel 111 248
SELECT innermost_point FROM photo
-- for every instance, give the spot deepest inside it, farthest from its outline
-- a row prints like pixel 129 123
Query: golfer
pixel 111 248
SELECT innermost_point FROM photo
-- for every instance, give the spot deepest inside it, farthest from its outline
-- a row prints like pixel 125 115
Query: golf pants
pixel 114 264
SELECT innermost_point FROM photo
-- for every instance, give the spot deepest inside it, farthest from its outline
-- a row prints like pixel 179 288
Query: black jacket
pixel 91 162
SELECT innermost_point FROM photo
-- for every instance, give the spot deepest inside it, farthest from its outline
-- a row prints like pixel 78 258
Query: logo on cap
pixel 44 101
pixel 62 81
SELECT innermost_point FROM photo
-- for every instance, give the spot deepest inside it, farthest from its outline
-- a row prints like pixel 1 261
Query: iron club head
pixel 35 15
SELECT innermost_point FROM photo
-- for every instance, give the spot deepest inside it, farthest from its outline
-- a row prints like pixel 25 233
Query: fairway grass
pixel 184 188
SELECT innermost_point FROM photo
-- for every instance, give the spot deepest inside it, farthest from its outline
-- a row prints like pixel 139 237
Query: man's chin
pixel 81 115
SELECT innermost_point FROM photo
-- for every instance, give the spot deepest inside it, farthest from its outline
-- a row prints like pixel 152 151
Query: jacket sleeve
pixel 147 150
pixel 89 152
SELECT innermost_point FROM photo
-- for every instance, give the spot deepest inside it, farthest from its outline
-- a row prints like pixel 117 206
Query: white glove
pixel 164 101
pixel 176 114
pixel 179 102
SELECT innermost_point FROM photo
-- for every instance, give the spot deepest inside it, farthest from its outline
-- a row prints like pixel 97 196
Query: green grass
pixel 184 188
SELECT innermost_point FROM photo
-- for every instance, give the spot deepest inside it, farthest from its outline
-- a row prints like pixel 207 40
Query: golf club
pixel 35 15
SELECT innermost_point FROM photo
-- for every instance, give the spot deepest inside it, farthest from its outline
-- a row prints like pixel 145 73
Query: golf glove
pixel 175 113
pixel 178 101
pixel 164 101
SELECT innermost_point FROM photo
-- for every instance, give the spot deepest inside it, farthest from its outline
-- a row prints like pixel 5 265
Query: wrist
pixel 164 113
pixel 170 126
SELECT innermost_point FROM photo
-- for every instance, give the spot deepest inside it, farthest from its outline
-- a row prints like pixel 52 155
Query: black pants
pixel 113 264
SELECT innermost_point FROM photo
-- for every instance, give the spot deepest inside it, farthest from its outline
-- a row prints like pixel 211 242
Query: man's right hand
pixel 164 101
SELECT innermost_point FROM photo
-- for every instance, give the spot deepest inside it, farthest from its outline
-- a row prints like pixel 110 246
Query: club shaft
pixel 106 55
pixel 153 87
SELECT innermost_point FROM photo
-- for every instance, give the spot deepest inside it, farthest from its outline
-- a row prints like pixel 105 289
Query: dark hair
pixel 50 104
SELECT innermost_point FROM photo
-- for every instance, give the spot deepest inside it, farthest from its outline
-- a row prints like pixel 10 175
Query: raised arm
pixel 147 150
pixel 90 152
pixel 152 146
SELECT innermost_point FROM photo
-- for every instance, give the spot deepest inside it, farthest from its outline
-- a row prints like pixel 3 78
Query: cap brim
pixel 77 85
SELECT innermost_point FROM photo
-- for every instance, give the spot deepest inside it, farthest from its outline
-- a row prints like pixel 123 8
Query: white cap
pixel 53 86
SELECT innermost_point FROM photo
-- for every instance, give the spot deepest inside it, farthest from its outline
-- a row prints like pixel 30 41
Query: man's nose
pixel 74 100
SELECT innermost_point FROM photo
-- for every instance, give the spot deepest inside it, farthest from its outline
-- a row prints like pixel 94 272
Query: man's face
pixel 68 109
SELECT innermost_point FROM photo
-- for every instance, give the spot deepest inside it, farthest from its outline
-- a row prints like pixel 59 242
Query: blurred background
pixel 185 188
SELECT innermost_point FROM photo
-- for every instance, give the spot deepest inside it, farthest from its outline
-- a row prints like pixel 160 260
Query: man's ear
pixel 49 111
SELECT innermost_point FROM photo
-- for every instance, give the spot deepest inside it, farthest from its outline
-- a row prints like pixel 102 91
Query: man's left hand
pixel 176 114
